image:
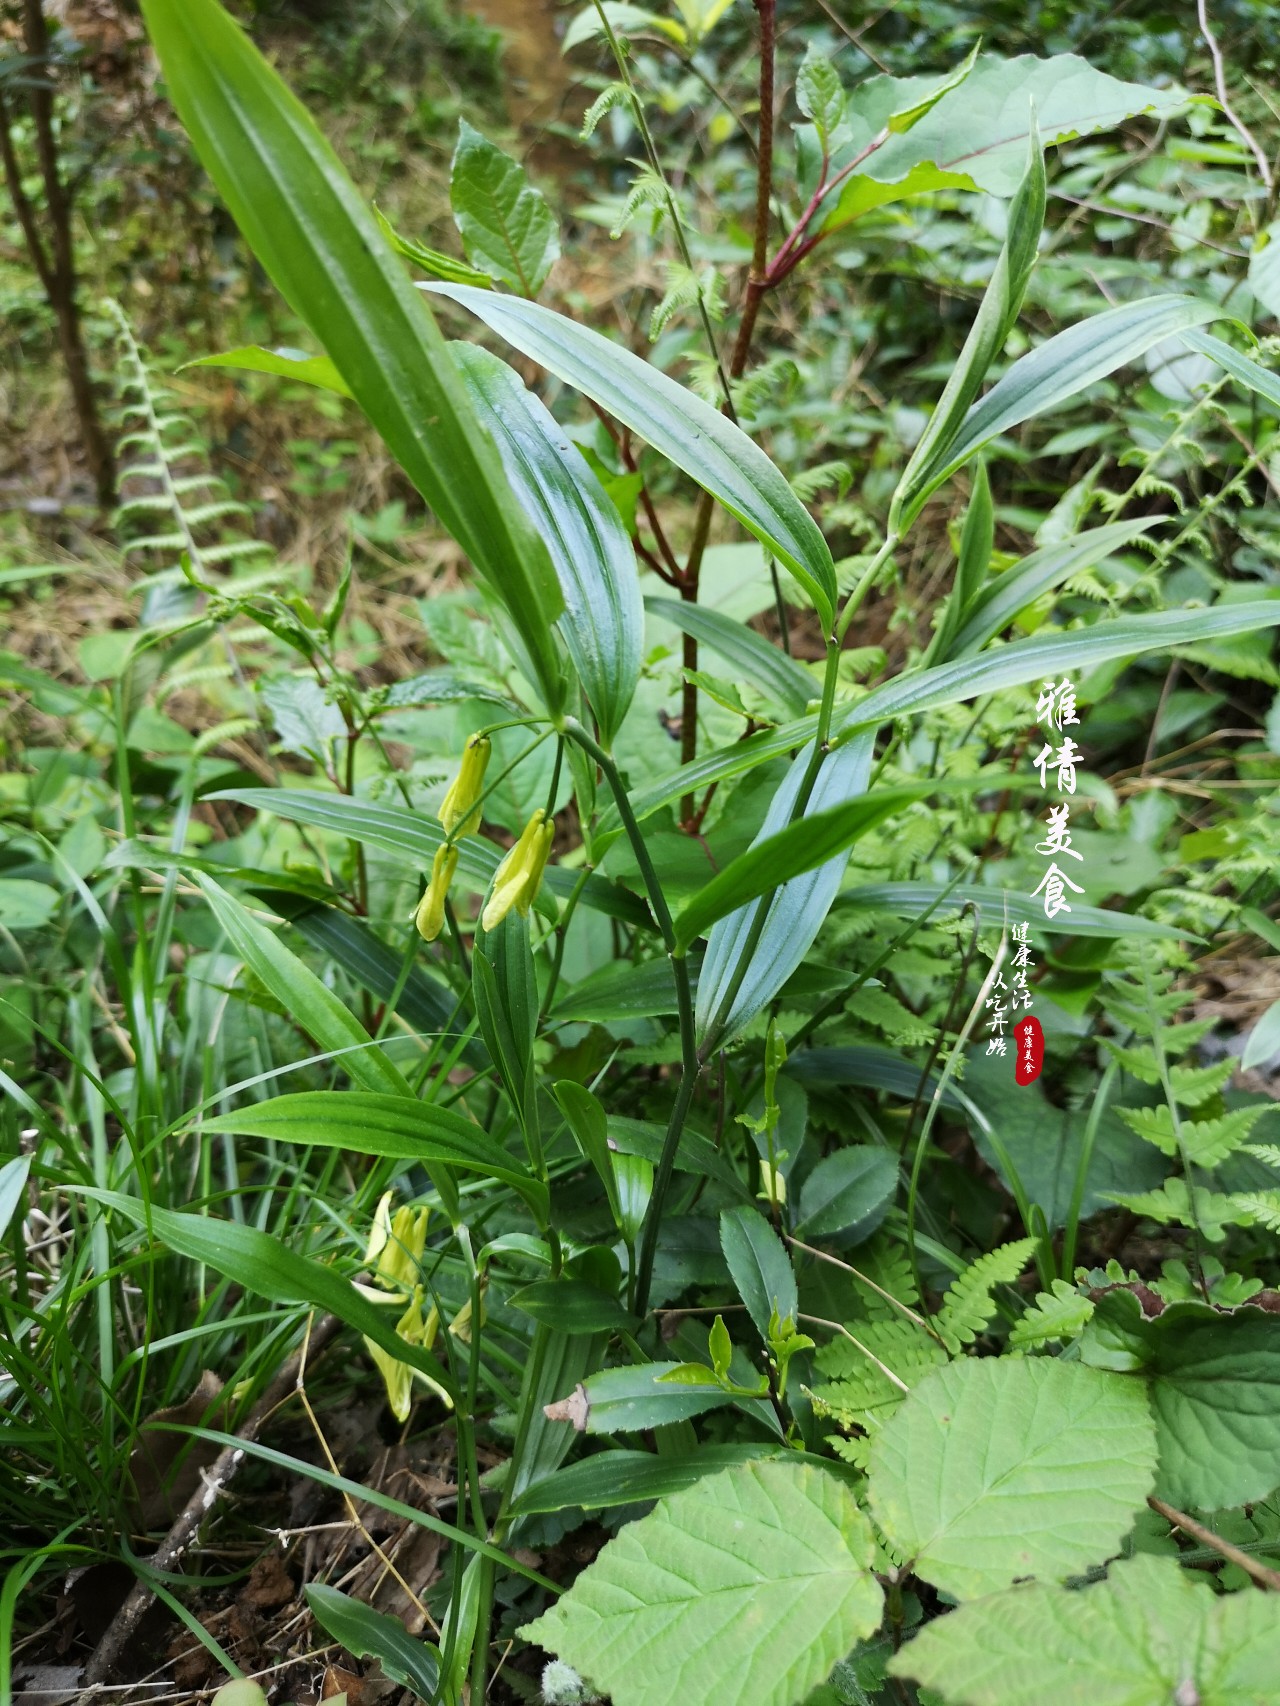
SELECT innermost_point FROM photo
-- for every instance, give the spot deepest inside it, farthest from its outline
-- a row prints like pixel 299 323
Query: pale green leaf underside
pixel 1150 1635
pixel 993 1470
pixel 748 1586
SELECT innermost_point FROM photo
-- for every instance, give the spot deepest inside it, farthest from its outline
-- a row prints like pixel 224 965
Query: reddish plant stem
pixel 55 263
pixel 757 285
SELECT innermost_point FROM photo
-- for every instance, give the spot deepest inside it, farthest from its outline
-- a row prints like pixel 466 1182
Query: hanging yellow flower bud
pixel 460 808
pixel 515 882
pixel 430 914
pixel 416 1328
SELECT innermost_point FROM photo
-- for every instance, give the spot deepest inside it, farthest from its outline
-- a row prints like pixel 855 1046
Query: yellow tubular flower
pixel 460 808
pixel 429 917
pixel 515 882
pixel 537 864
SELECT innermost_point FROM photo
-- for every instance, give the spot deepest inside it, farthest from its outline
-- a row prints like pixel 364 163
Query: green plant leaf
pixel 996 1469
pixel 370 1634
pixel 312 1004
pixel 1264 1039
pixel 623 17
pixel 785 682
pixel 572 1306
pixel 431 261
pixel 999 602
pixel 796 912
pixel 848 1194
pixel 590 1126
pixel 1070 652
pixel 1150 1635
pixel 820 94
pixel 415 838
pixel 507 228
pixel 693 435
pixel 669 1611
pixel 397 1126
pixel 630 1400
pixel 1249 373
pixel 815 839
pixel 321 245
pixel 995 319
pixel 1054 371
pixel 286 363
pixel 264 1265
pixel 1214 1383
pixel 976 135
pixel 613 1478
pixel 760 1267
pixel 594 560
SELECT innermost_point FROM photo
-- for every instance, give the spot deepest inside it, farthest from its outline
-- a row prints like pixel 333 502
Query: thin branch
pixel 1220 80
pixel 1261 1574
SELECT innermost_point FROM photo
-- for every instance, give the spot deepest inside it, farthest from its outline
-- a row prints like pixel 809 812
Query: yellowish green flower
pixel 429 917
pixel 516 881
pixel 415 1327
pixel 460 808
pixel 396 1245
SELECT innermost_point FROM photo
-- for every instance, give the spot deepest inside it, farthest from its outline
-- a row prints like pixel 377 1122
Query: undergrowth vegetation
pixel 530 968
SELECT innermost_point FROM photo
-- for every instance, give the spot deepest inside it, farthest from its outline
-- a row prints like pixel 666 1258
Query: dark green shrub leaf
pixel 760 1267
pixel 848 1194
pixel 1214 1382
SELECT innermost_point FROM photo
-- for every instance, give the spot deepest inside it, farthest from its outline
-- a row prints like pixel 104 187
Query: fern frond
pixel 968 1306
pixel 1056 1316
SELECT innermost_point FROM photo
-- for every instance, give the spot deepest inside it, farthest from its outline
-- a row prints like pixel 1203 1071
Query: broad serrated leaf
pixel 1214 1385
pixel 996 1469
pixel 507 228
pixel 746 1587
pixel 820 94
pixel 1150 1635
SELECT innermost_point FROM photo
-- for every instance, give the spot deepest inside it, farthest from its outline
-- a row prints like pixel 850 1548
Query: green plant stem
pixel 690 1062
pixel 1067 1262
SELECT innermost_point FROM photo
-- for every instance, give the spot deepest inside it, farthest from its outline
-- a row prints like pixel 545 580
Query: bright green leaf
pixel 746 1587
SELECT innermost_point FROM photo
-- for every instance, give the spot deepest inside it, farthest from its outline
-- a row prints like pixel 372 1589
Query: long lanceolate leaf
pixel 1056 654
pixel 395 1126
pixel 995 318
pixel 304 220
pixel 594 560
pixel 796 912
pixel 1060 368
pixel 268 1268
pixel 966 678
pixel 710 449
pixel 999 602
pixel 786 682
pixel 414 838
